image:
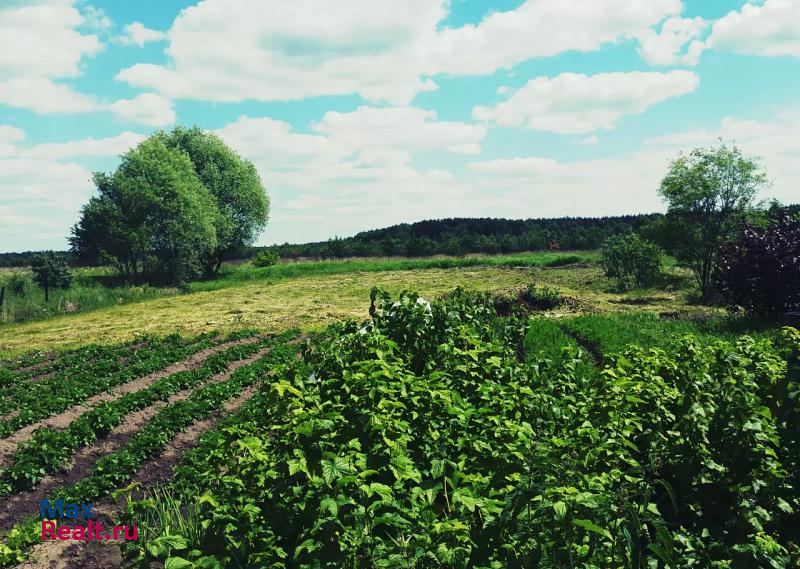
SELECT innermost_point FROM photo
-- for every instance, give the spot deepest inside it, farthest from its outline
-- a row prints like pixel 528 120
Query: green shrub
pixel 265 259
pixel 542 297
pixel 632 261
pixel 18 285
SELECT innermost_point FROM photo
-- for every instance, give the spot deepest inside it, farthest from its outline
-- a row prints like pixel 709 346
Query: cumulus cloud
pixel 42 187
pixel 235 50
pixel 148 109
pixel 542 186
pixel 45 96
pixel 573 103
pixel 399 127
pixel 666 47
pixel 138 34
pixel 41 39
pixel 770 29
pixel 353 170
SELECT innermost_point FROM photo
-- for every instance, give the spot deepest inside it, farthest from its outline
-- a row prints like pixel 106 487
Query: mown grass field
pixel 311 294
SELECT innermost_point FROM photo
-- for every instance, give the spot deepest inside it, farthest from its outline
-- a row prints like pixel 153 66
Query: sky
pixel 360 114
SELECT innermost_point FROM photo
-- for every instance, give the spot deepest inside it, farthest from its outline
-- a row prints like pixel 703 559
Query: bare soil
pixel 62 420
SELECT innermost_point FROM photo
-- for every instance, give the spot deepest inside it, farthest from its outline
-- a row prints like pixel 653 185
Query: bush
pixel 265 259
pixel 760 271
pixel 18 285
pixel 632 261
pixel 542 297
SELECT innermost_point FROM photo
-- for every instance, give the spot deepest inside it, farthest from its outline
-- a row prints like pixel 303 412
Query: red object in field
pixel 553 246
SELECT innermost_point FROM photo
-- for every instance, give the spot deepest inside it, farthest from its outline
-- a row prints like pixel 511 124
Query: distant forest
pixel 458 236
pixel 455 236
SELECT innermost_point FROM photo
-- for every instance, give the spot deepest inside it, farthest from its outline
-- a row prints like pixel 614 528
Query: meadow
pixel 512 411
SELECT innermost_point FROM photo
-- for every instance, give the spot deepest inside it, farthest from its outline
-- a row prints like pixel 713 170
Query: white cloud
pixel 542 28
pixel 40 188
pixel 573 104
pixel 41 39
pixel 354 170
pixel 44 96
pixel 589 140
pixel 137 34
pixel 541 186
pixel 665 48
pixel 235 50
pixel 147 109
pixel 109 146
pixel 399 127
pixel 771 29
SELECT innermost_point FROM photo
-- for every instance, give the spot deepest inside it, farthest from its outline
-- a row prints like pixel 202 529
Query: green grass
pixel 90 291
pixel 611 333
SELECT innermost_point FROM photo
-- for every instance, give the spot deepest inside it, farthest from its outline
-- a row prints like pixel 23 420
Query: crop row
pixel 52 396
pixel 421 439
pixel 114 469
pixel 49 448
pixel 62 365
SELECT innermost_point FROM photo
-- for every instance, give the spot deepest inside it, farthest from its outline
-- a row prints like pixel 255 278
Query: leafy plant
pixel 631 261
pixel 760 270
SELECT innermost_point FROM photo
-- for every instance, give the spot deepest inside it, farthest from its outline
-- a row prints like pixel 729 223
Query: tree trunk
pixel 47 293
pixel 2 296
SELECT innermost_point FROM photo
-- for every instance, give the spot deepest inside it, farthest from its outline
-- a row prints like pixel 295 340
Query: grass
pixel 305 302
pixel 309 295
pixel 90 293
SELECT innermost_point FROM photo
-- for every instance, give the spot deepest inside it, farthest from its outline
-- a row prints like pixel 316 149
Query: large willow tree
pixel 178 205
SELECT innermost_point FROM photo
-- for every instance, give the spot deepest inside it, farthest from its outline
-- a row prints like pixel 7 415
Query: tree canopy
pixel 708 192
pixel 178 204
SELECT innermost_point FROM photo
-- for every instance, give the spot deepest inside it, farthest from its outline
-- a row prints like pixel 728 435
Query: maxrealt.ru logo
pixel 52 513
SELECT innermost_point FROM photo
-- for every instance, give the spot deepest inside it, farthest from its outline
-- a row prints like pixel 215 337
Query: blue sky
pixel 365 113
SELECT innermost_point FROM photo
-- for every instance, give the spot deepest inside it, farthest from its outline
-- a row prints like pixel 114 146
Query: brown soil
pixel 62 420
pixel 26 503
pixel 63 555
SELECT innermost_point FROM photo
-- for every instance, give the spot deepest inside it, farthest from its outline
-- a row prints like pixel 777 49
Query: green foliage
pixel 177 205
pixel 265 259
pixel 541 297
pixel 422 439
pixel 241 202
pixel 707 192
pixel 50 272
pixel 632 261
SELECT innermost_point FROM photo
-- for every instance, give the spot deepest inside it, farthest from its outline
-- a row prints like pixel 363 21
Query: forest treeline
pixel 453 236
pixel 459 236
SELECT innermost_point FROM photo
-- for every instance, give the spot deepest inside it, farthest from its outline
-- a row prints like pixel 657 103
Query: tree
pixel 708 192
pixel 760 271
pixel 631 260
pixel 242 203
pixel 49 272
pixel 155 217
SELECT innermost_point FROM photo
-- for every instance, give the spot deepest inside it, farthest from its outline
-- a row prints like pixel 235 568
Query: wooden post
pixel 2 296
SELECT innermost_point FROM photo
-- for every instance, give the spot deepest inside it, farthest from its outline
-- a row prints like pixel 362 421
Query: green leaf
pixel 177 563
pixel 591 526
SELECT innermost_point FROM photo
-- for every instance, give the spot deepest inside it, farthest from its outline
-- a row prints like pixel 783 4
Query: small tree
pixel 760 271
pixel 49 272
pixel 707 192
pixel 631 260
pixel 265 258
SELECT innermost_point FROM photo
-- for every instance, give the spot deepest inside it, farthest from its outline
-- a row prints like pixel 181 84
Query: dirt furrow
pixel 24 504
pixel 62 420
pixel 65 555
